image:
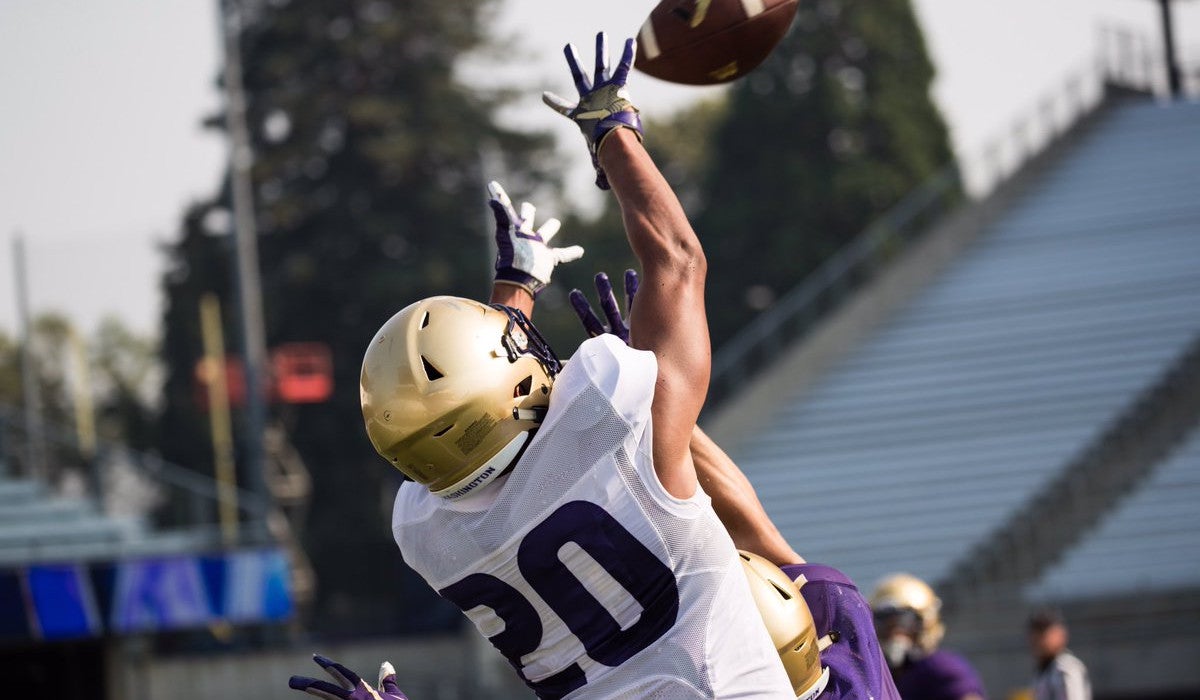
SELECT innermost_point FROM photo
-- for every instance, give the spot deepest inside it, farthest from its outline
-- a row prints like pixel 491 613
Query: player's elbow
pixel 684 259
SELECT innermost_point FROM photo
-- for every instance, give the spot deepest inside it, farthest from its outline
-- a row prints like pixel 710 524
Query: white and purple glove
pixel 604 103
pixel 349 685
pixel 617 325
pixel 523 256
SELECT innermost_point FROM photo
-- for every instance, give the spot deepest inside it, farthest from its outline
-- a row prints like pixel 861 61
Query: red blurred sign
pixel 300 373
pixel 303 372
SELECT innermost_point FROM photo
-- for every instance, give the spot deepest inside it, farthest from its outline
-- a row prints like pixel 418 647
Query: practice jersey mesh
pixel 583 570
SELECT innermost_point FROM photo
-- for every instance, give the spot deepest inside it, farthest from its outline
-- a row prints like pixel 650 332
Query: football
pixel 705 42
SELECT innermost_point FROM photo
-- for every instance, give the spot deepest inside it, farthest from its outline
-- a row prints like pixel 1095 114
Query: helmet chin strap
pixel 486 472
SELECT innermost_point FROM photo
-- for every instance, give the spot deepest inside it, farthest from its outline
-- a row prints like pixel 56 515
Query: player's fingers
pixel 528 211
pixel 549 229
pixel 387 681
pixel 582 84
pixel 601 58
pixel 344 676
pixel 591 323
pixel 558 104
pixel 622 73
pixel 321 689
pixel 631 287
pixel 608 302
pixel 501 205
pixel 566 255
pixel 496 193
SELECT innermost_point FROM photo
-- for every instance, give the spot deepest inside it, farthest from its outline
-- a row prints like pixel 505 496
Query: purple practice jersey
pixel 943 675
pixel 857 669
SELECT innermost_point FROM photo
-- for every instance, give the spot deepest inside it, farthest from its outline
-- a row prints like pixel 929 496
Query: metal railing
pixel 1124 60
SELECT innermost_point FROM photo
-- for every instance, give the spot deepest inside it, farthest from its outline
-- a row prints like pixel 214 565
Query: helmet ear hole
pixel 443 431
pixel 430 371
pixel 424 320
pixel 523 388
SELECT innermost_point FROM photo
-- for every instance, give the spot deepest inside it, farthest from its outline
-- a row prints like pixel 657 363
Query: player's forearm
pixel 513 296
pixel 658 230
pixel 736 503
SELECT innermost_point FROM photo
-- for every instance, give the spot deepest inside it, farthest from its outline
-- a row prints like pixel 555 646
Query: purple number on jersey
pixel 522 628
pixel 621 555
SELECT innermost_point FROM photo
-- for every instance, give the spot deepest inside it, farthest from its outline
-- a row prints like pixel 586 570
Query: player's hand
pixel 349 685
pixel 617 325
pixel 604 103
pixel 524 256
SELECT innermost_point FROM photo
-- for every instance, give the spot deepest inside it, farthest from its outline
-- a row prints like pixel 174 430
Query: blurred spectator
pixel 909 627
pixel 1060 674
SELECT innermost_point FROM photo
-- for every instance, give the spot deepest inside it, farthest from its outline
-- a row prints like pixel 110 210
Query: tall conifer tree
pixel 832 130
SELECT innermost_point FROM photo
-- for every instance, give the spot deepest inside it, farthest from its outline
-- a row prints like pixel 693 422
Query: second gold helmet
pixel 789 622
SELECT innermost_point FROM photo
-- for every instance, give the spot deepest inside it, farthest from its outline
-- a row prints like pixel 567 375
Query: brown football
pixel 704 42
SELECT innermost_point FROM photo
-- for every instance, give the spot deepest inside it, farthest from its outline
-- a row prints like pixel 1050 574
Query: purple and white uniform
pixel 857 669
pixel 582 570
pixel 942 675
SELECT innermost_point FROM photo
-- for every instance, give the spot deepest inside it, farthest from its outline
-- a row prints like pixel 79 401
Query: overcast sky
pixel 101 148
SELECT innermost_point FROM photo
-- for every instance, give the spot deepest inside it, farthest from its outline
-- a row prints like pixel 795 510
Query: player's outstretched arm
pixel 670 319
pixel 737 504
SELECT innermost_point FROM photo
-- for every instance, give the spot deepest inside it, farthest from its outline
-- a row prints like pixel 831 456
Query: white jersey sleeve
pixel 626 376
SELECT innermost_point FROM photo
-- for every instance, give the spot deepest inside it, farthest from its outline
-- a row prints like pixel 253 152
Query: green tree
pixel 833 129
pixel 369 195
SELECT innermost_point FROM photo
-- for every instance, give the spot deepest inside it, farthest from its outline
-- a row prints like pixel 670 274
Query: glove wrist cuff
pixel 620 120
pixel 515 278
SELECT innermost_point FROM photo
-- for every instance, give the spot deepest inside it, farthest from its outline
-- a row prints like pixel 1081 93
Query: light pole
pixel 249 288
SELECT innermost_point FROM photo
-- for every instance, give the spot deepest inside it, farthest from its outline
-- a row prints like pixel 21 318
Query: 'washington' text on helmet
pixel 451 390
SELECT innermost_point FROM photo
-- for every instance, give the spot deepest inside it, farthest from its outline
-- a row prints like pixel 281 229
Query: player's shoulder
pixel 625 376
pixel 1068 662
pixel 413 503
pixel 605 355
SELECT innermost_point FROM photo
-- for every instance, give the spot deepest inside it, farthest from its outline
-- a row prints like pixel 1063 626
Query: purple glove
pixel 604 103
pixel 617 325
pixel 523 256
pixel 349 685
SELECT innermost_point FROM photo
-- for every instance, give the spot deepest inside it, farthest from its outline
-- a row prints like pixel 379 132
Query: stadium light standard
pixel 249 287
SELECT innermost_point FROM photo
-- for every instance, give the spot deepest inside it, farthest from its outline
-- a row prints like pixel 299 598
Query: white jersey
pixel 582 570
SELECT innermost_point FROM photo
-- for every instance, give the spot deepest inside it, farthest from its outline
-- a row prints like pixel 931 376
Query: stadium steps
pixel 1088 489
pixel 927 436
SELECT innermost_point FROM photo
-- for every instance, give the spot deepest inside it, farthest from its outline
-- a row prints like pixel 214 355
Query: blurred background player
pixel 541 502
pixel 1060 674
pixel 807 608
pixel 909 627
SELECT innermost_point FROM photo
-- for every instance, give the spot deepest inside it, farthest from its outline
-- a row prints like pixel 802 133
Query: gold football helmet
pixel 451 390
pixel 790 624
pixel 901 593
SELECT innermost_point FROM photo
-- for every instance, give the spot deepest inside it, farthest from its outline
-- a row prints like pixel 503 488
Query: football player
pixel 807 608
pixel 559 507
pixel 909 627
